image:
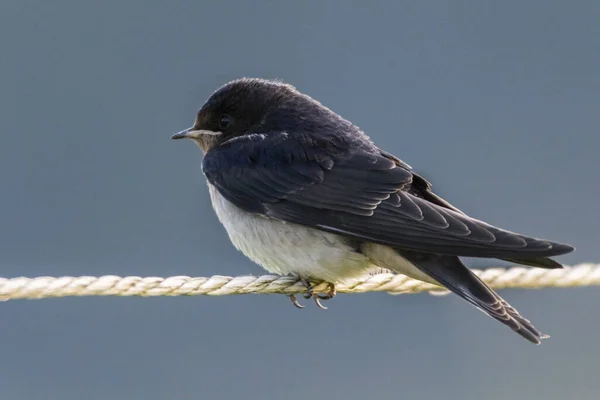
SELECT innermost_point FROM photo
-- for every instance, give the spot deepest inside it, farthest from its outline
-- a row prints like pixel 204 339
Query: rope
pixel 498 278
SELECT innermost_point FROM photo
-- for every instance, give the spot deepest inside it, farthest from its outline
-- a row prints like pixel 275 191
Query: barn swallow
pixel 301 190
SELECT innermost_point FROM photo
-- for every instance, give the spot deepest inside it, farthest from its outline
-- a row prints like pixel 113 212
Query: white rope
pixel 499 278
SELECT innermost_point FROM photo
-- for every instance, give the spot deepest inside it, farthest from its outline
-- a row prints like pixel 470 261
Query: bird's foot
pixel 317 297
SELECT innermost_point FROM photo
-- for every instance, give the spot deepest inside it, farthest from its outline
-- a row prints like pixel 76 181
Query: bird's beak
pixel 182 134
pixel 191 133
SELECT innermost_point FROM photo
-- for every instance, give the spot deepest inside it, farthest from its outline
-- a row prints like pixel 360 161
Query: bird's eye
pixel 224 121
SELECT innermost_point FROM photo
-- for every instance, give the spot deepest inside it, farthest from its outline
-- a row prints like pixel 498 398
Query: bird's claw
pixel 328 296
pixel 295 301
pixel 317 297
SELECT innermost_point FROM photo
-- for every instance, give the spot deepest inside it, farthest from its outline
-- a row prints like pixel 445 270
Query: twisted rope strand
pixel 587 274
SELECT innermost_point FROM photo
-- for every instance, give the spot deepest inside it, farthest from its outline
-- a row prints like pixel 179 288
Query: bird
pixel 302 191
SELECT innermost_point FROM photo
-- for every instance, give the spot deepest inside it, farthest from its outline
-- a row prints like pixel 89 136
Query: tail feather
pixel 450 272
pixel 542 262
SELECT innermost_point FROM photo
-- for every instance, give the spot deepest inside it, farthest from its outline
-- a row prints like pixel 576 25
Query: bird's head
pixel 239 107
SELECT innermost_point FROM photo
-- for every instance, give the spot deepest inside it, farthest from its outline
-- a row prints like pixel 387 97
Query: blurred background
pixel 497 103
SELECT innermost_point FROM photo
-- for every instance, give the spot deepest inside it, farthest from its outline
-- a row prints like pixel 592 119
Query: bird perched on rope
pixel 300 190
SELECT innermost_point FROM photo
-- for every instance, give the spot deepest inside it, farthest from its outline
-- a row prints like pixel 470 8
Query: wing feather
pixel 356 190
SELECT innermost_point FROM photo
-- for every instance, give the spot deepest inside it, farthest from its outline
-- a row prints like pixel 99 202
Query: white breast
pixel 285 248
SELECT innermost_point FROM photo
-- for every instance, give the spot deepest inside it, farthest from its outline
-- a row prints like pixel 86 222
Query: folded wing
pixel 355 190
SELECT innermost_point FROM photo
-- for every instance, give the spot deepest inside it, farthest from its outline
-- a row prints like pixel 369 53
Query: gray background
pixel 498 103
